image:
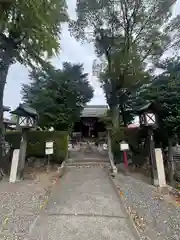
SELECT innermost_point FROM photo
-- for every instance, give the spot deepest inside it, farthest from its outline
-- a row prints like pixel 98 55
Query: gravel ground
pixel 21 203
pixel 155 215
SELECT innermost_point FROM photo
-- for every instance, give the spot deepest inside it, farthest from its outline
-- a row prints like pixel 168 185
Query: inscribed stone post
pixel 160 168
pixel 14 166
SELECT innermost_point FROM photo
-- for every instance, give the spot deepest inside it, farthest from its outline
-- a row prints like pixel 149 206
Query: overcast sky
pixel 71 51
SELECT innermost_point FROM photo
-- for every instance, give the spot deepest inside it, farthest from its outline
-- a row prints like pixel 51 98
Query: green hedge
pixel 36 143
pixel 133 136
pixel 127 134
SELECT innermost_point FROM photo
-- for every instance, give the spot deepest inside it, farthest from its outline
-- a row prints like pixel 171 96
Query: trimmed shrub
pixel 13 138
pixel 133 137
pixel 36 143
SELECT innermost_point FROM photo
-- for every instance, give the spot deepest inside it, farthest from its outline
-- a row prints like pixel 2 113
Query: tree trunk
pixel 110 153
pixel 5 60
pixel 171 168
pixel 115 116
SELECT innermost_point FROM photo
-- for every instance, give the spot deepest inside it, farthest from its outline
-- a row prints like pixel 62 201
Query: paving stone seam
pixel 84 215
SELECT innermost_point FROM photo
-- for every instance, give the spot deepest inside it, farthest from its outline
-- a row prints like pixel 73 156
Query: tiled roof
pixel 24 110
pixel 94 111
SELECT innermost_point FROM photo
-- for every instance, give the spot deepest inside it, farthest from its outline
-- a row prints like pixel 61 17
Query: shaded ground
pixel 159 214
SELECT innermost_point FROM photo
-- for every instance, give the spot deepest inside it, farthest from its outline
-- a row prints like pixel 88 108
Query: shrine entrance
pixel 89 137
pixel 88 151
pixel 89 128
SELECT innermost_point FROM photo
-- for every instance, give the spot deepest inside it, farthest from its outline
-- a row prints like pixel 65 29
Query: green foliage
pixel 127 35
pixel 36 143
pixel 164 91
pixel 14 117
pixel 14 138
pixel 31 28
pixel 29 32
pixel 107 120
pixel 133 137
pixel 58 95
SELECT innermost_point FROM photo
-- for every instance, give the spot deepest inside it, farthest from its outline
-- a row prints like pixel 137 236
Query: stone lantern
pixel 147 116
pixel 148 119
pixel 27 119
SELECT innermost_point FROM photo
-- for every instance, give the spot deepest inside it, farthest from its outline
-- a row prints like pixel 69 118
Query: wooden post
pixel 152 156
pixel 171 167
pixel 3 139
pixel 125 159
pixel 67 153
pixel 22 154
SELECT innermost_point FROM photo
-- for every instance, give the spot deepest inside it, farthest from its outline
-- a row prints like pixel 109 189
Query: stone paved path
pixel 84 205
pixel 88 151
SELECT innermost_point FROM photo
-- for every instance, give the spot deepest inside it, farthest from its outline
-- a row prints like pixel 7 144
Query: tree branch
pixel 144 25
pixel 134 14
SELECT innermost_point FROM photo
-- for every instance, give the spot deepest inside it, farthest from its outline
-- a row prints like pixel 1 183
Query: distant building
pixel 6 109
pixel 90 124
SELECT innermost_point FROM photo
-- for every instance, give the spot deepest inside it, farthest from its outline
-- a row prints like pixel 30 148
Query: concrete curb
pixel 113 167
pixel 61 169
pixel 131 223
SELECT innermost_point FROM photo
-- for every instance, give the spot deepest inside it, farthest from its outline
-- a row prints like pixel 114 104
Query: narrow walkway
pixel 84 206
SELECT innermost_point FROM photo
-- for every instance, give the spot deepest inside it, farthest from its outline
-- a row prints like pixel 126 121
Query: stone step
pixel 76 162
pixel 88 160
pixel 88 165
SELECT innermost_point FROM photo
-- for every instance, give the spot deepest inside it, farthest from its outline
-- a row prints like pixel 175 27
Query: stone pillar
pixel 160 168
pixel 14 166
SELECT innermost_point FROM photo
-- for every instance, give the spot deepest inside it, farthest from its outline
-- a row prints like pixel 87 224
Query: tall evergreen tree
pixel 58 95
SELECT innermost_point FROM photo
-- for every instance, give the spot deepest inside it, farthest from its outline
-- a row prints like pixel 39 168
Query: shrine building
pixel 90 124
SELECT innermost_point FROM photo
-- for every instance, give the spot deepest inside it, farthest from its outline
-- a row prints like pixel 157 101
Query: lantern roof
pixel 25 111
pixel 148 106
pixel 94 111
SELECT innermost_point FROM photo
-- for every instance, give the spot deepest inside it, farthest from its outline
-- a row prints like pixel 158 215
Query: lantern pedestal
pixel 152 157
pixel 22 154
